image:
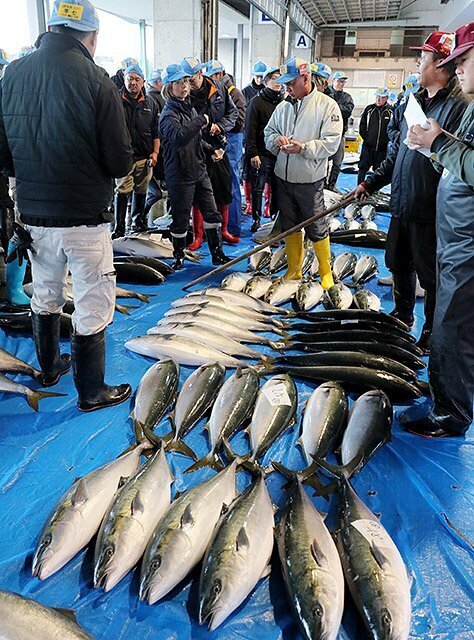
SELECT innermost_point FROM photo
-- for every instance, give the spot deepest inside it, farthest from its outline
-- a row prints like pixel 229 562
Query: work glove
pixel 20 242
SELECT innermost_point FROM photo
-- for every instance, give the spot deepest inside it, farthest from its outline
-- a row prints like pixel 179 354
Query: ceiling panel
pixel 332 12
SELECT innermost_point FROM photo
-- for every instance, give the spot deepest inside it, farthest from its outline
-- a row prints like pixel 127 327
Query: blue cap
pixel 322 70
pixel 212 67
pixel 25 51
pixel 259 68
pixel 175 72
pixel 75 14
pixel 271 70
pixel 412 83
pixel 154 76
pixel 134 68
pixel 3 57
pixel 292 68
pixel 127 62
pixel 382 92
pixel 192 65
pixel 340 75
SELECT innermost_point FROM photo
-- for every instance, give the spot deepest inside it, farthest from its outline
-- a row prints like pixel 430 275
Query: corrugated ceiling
pixel 332 12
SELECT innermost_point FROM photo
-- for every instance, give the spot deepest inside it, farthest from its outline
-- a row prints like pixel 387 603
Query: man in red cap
pixel 411 239
pixel 451 372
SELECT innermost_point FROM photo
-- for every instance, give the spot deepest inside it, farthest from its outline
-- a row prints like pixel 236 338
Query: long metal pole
pixel 343 203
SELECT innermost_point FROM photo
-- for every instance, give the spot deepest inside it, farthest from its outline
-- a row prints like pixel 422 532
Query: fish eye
pixel 47 540
pixel 386 619
pixel 109 552
pixel 156 564
pixel 217 587
pixel 318 612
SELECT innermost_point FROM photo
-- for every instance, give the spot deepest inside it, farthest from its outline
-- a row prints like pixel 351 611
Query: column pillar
pixel 36 18
pixel 177 28
pixel 265 42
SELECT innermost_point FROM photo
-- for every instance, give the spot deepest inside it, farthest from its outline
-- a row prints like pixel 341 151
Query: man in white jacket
pixel 303 132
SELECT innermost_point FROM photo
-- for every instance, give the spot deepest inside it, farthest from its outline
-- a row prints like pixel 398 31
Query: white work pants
pixel 86 252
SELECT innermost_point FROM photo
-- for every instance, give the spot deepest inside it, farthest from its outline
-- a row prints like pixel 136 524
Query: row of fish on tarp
pixel 137 259
pixel 361 349
pixel 130 507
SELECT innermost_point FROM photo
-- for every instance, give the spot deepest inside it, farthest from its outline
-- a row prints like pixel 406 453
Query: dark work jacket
pixel 346 105
pixel 214 100
pixel 258 114
pixel 157 98
pixel 181 141
pixel 118 79
pixel 373 126
pixel 238 99
pixel 63 123
pixel 413 177
pixel 251 90
pixel 142 121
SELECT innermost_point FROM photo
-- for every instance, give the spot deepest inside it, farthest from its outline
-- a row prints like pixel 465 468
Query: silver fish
pixel 183 350
pixel 120 292
pixel 274 411
pixel 257 286
pixel 344 265
pixel 241 299
pixel 130 521
pixel 334 224
pixel 367 212
pixel 155 393
pixel 233 405
pixel 369 426
pixel 238 555
pixel 324 419
pixel 350 225
pixel 183 534
pixel 339 296
pixel 260 261
pixel 308 258
pixel 311 568
pixel 281 291
pixel 309 294
pixel 221 313
pixel 23 619
pixel 366 268
pixel 236 281
pixel 11 364
pixel 314 268
pixel 279 260
pixel 32 397
pixel 365 299
pixel 368 224
pixel 78 513
pixel 352 211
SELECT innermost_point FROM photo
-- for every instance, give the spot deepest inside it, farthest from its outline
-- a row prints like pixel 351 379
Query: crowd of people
pixel 188 129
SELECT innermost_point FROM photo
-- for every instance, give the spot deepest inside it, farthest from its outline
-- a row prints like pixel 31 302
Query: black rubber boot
pixel 424 341
pixel 256 211
pixel 179 245
pixel 139 222
pixel 46 335
pixel 404 296
pixel 88 368
pixel 121 202
pixel 428 428
pixel 214 241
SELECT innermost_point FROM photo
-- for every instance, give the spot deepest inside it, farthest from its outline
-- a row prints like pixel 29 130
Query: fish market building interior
pixel 259 431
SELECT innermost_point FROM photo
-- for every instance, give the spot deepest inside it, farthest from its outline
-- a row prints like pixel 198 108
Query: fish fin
pixel 181 447
pixel 121 482
pixel 277 346
pixel 143 298
pixel 80 495
pixel 338 471
pixel 225 508
pixel 137 505
pixel 207 427
pixel 68 613
pixel 379 556
pixel 210 460
pixel 238 372
pixel 155 440
pixel 242 541
pixel 305 476
pixel 138 431
pixel 318 554
pixel 187 519
pixel 266 572
pixel 34 397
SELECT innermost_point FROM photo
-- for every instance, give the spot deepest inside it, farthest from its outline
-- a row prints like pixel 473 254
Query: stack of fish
pixel 148 245
pixel 211 326
pixel 141 269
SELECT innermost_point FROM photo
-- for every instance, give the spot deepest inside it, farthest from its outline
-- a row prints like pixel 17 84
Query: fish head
pixel 56 546
pixel 105 564
pixel 221 594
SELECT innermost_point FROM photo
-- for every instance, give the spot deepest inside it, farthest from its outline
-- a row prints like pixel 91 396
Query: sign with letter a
pixel 302 41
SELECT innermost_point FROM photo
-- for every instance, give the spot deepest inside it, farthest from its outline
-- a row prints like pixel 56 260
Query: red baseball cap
pixel 463 41
pixel 437 42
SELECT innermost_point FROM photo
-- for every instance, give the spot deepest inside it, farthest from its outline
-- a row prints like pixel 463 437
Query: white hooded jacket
pixel 316 121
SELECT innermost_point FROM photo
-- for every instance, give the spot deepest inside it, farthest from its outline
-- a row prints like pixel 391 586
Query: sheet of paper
pixel 414 114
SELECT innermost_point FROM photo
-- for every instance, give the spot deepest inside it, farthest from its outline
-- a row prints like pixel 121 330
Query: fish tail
pixel 138 431
pixel 243 462
pixel 34 397
pixel 155 440
pixel 210 460
pixel 181 447
pixel 305 476
pixel 143 298
pixel 340 472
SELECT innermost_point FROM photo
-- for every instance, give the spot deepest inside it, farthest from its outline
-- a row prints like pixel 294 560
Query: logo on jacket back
pixel 335 118
pixel 68 10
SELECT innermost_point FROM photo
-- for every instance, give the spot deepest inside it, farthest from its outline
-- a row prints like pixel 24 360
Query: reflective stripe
pixel 179 235
pixel 212 225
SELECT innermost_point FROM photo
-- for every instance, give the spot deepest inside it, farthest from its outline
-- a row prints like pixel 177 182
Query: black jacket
pixel 251 90
pixel 346 105
pixel 157 98
pixel 62 121
pixel 118 79
pixel 142 121
pixel 181 141
pixel 238 99
pixel 213 99
pixel 259 111
pixel 373 126
pixel 413 177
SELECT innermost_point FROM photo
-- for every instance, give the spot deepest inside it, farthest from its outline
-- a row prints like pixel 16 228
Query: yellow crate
pixel 352 144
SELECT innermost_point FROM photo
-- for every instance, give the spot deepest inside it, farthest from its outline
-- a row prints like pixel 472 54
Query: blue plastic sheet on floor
pixel 423 490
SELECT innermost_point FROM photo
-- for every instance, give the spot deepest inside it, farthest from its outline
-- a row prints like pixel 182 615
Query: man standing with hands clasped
pixel 451 367
pixel 303 133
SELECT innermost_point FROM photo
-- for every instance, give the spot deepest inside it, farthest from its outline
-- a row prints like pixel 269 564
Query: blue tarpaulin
pixel 423 490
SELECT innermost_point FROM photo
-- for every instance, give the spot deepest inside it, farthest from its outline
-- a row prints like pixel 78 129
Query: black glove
pixel 21 241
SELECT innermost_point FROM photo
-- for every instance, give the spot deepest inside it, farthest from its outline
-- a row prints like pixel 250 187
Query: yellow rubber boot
pixel 294 254
pixel 322 249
